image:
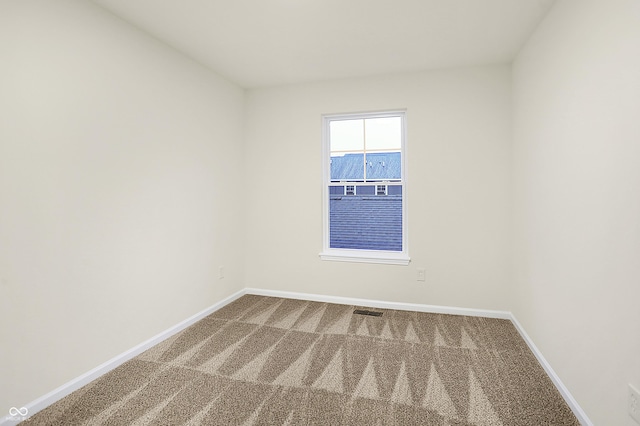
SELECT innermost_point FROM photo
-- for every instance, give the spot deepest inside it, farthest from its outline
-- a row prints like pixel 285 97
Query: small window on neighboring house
pixel 364 154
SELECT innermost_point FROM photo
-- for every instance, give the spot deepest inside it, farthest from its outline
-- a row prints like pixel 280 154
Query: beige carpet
pixel 271 361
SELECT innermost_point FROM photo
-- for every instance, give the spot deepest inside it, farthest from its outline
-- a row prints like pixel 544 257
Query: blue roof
pixel 380 166
pixel 366 222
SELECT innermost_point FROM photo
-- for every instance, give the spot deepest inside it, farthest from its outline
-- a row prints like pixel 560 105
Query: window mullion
pixel 364 148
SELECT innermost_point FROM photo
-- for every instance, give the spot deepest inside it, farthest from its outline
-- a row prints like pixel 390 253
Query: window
pixel 364 188
pixel 349 190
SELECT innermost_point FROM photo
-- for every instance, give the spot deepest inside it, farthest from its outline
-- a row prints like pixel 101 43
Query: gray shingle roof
pixel 380 165
pixel 366 222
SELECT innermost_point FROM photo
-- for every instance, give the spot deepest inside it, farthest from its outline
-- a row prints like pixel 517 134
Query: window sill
pixel 363 256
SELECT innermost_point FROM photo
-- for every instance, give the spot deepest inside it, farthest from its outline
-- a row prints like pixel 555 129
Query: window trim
pixel 355 255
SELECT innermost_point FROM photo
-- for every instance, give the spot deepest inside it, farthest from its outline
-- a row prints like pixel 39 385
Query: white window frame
pixel 356 255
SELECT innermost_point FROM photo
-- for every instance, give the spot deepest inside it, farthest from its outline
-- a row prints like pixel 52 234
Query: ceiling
pixel 259 43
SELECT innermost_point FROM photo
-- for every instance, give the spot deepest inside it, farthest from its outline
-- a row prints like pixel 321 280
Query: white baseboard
pixel 64 390
pixel 400 306
pixel 568 398
pixel 75 384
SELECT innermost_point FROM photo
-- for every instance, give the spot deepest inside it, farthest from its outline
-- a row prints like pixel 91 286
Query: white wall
pixel 458 145
pixel 577 197
pixel 116 209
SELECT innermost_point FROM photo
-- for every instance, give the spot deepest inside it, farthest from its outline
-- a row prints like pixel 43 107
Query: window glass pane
pixel 384 133
pixel 384 165
pixel 347 167
pixel 365 223
pixel 346 135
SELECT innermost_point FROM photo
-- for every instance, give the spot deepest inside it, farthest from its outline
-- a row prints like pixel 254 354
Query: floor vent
pixel 370 313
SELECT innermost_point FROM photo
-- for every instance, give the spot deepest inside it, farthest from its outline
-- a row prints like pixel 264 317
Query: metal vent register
pixel 370 313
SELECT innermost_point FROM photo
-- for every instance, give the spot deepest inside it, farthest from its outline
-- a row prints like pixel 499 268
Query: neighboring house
pixel 382 169
pixel 365 210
